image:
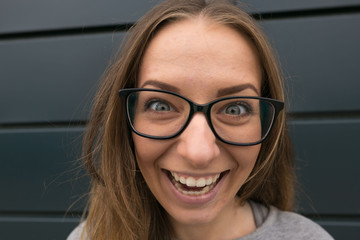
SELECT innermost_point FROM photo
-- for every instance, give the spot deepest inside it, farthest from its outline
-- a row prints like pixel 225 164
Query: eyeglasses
pixel 236 120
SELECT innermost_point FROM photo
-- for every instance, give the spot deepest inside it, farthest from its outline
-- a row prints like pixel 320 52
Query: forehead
pixel 199 54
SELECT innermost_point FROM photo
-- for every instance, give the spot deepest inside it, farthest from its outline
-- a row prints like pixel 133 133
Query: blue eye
pixel 237 109
pixel 158 106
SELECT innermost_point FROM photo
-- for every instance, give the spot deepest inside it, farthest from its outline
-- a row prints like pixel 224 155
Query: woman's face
pixel 201 61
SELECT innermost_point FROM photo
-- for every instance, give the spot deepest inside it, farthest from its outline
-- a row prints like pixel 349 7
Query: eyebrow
pixel 234 89
pixel 221 92
pixel 161 85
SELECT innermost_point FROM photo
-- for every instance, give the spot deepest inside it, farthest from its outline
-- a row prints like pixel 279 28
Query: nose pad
pixel 198 143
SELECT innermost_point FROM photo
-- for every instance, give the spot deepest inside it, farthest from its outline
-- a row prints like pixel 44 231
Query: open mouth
pixel 194 187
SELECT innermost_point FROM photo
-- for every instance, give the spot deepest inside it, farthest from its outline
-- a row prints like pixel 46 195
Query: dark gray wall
pixel 53 53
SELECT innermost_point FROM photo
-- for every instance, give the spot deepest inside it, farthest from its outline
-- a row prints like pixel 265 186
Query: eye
pixel 237 109
pixel 159 106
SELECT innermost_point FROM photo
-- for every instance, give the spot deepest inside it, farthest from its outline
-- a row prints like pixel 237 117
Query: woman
pixel 195 145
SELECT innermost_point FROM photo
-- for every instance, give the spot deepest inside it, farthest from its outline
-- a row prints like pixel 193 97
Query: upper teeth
pixel 192 182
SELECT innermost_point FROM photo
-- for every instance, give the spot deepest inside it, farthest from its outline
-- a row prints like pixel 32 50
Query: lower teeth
pixel 204 190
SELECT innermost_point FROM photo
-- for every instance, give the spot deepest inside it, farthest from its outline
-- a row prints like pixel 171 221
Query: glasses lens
pixel 157 114
pixel 242 120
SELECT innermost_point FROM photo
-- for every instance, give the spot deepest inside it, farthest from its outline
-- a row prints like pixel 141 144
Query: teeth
pixel 182 180
pixel 192 182
pixel 192 193
pixel 175 176
pixel 201 182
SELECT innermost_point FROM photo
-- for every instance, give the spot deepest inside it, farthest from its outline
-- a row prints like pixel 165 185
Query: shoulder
pixel 76 233
pixel 279 224
pixel 295 226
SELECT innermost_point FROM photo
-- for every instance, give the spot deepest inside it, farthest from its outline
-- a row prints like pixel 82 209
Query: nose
pixel 197 144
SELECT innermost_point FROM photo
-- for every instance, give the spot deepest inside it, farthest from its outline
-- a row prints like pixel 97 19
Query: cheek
pixel 245 157
pixel 244 152
pixel 148 151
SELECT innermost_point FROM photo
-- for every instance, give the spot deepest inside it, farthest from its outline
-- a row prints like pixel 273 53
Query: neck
pixel 234 221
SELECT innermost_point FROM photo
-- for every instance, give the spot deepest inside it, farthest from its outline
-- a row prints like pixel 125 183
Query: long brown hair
pixel 121 205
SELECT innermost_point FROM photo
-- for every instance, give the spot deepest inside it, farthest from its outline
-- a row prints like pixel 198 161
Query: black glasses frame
pixel 204 108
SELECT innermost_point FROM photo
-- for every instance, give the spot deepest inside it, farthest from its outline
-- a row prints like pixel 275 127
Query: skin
pixel 192 55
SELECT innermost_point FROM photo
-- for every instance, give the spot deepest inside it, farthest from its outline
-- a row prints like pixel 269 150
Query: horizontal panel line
pixel 65 32
pixel 307 13
pixel 127 26
pixel 28 125
pixel 339 223
pixel 333 217
pixel 326 116
pixel 10 216
pixel 40 219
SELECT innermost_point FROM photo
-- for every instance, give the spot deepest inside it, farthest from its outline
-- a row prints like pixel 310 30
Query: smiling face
pixel 201 61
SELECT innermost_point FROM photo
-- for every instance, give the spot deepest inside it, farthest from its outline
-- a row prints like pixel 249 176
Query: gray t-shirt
pixel 271 224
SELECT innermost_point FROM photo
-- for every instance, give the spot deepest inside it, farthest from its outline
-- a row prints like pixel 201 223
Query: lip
pixel 195 176
pixel 196 199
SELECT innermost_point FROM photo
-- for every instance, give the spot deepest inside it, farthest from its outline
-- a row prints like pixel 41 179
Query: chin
pixel 194 217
